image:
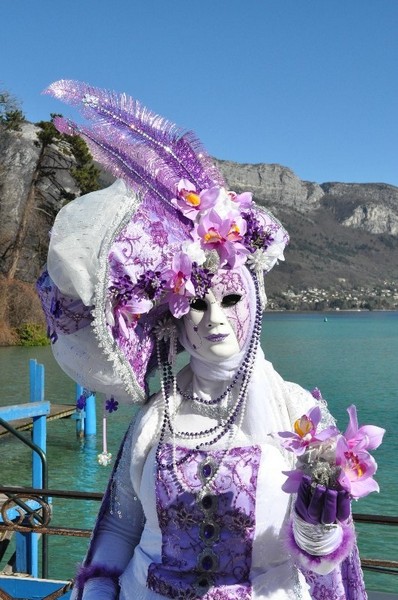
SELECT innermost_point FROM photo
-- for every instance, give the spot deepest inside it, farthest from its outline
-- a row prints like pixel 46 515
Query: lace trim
pixel 327 420
pixel 105 340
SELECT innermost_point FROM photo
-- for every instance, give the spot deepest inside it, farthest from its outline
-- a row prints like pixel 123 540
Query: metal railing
pixel 388 567
pixel 37 518
pixel 40 523
pixel 40 518
pixel 33 514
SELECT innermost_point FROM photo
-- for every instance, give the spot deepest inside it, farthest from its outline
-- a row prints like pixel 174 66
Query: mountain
pixel 342 234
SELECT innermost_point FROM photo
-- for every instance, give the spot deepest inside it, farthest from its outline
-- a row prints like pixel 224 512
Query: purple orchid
pixel 178 281
pixel 190 202
pixel 305 432
pixel 223 234
pixel 126 313
pixel 357 469
pixel 244 200
pixel 366 437
pixel 339 461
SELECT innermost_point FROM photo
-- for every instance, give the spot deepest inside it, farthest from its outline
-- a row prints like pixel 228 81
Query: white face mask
pixel 216 325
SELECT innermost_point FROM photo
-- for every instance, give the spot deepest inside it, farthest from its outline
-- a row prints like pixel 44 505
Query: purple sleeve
pixel 116 533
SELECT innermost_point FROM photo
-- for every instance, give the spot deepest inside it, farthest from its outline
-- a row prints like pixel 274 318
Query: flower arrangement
pixel 330 458
pixel 225 232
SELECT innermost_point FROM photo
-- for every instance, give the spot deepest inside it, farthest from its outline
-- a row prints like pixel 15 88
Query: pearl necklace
pixel 229 427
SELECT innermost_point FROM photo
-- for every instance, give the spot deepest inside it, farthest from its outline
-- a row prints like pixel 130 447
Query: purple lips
pixel 217 337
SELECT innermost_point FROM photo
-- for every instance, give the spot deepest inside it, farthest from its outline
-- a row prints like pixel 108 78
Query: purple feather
pixel 131 125
pixel 119 163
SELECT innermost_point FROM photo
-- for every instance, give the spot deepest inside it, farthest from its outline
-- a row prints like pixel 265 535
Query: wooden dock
pixel 57 411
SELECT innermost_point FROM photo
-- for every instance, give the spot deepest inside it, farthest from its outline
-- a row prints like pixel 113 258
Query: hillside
pixel 343 235
pixel 338 231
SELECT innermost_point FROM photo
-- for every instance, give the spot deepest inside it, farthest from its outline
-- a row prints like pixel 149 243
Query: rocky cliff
pixel 35 181
pixel 339 231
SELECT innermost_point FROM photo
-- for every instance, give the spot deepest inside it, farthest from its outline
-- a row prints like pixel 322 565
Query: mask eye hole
pixel 199 304
pixel 230 300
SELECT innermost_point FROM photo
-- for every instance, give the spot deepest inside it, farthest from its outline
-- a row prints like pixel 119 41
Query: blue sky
pixel 310 84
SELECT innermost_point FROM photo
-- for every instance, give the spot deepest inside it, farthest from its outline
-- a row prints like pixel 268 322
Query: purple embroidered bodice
pixel 207 538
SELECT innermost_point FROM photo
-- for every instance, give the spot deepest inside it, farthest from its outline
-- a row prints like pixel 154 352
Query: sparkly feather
pixel 131 134
pixel 123 166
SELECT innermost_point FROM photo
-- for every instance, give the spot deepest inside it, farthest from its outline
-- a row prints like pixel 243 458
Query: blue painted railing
pixel 27 544
pixel 86 418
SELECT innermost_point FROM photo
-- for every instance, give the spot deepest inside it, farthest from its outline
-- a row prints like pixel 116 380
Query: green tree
pixel 11 115
pixel 85 173
pixel 48 134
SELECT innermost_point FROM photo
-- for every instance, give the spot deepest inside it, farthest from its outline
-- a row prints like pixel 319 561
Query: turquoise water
pixel 351 357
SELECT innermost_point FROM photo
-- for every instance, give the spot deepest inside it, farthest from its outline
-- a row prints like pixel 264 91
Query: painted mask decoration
pixel 217 325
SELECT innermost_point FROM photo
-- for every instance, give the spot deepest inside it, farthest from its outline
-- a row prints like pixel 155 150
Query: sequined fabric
pixel 136 249
pixel 63 314
pixel 207 538
pixel 343 583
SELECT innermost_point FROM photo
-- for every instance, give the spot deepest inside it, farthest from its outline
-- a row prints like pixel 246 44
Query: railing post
pixel 87 424
pixel 91 419
pixel 27 545
pixel 80 414
pixel 39 433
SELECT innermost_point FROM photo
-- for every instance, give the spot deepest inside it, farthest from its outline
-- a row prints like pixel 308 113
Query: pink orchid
pixel 328 456
pixel 357 469
pixel 190 202
pixel 223 234
pixel 305 432
pixel 128 313
pixel 244 200
pixel 366 437
pixel 178 281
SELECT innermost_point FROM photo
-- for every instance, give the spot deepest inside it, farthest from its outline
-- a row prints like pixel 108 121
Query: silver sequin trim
pixel 105 340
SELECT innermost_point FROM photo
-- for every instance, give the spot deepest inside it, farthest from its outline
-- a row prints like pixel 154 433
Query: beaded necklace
pixel 228 427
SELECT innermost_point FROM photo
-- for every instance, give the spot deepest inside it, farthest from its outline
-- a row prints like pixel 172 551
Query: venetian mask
pixel 218 324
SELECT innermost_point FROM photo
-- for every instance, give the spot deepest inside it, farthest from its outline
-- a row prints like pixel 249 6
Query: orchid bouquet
pixel 224 231
pixel 330 458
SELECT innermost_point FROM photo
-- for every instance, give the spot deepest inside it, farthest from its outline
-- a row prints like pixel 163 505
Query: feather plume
pixel 117 162
pixel 130 126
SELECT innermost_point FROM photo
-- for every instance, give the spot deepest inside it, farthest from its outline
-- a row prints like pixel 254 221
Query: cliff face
pixel 34 182
pixel 337 230
pixel 372 207
pixel 273 185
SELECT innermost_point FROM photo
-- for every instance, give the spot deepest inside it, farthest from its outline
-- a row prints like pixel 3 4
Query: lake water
pixel 352 358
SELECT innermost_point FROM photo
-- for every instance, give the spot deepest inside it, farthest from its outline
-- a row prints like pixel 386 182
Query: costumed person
pixel 167 259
